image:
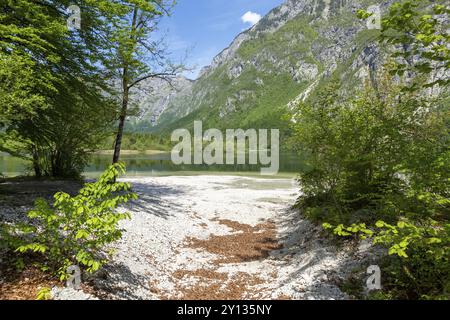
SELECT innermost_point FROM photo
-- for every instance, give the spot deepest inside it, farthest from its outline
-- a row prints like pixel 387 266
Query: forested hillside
pixel 285 58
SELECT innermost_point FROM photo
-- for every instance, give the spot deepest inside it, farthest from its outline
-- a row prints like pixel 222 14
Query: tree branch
pixel 162 75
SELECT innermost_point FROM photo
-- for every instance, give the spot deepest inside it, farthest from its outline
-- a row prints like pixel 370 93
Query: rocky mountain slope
pixel 284 58
pixel 152 98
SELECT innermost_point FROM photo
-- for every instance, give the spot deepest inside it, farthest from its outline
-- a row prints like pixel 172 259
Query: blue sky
pixel 203 28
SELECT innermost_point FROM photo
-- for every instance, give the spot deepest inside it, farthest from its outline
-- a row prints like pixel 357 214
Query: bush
pixel 77 230
pixel 383 157
pixel 367 154
pixel 418 262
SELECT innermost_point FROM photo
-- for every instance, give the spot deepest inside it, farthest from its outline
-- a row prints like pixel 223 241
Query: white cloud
pixel 251 17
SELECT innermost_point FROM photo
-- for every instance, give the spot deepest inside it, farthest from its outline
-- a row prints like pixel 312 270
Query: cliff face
pixel 152 98
pixel 284 58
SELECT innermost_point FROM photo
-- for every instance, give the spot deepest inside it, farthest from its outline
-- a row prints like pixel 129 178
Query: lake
pixel 157 165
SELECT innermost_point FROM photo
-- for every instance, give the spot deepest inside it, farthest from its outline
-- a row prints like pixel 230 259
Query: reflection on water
pixel 10 166
pixel 156 165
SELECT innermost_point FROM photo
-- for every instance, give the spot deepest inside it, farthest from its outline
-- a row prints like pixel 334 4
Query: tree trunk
pixel 125 95
pixel 36 166
pixel 123 116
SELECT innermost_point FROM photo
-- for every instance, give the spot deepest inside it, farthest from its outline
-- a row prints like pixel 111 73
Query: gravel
pixel 173 209
pixel 70 294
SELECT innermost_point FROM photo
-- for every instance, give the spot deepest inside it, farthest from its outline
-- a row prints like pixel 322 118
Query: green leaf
pixel 380 224
pixel 327 226
pixel 82 234
pixel 401 224
pixel 44 294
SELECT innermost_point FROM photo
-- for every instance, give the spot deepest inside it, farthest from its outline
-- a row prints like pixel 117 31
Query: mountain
pixel 153 97
pixel 286 57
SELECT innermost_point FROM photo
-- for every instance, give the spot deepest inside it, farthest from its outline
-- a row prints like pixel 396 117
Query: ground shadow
pixel 305 247
pixel 24 191
pixel 152 199
pixel 118 286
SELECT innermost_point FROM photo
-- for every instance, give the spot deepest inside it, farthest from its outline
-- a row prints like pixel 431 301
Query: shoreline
pixel 182 241
pixel 129 152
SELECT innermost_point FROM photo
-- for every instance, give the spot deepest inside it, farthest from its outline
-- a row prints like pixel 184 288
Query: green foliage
pixel 56 100
pixel 27 35
pixel 53 85
pixel 411 30
pixel 368 155
pixel 44 294
pixel 17 80
pixel 378 164
pixel 383 156
pixel 135 55
pixel 139 142
pixel 77 230
pixel 419 256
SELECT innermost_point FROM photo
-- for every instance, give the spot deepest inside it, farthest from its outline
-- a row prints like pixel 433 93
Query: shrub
pixel 418 262
pixel 44 294
pixel 384 155
pixel 78 230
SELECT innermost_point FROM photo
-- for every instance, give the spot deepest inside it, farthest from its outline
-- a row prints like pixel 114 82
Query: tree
pixel 54 94
pixel 137 57
pixel 28 31
pixel 378 162
pixel 416 33
pixel 364 153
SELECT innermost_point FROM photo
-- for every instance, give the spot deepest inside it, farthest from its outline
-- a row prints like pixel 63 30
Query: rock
pixel 304 71
pixel 70 294
pixel 364 245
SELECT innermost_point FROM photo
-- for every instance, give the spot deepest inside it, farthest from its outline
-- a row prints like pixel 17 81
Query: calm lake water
pixel 157 165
